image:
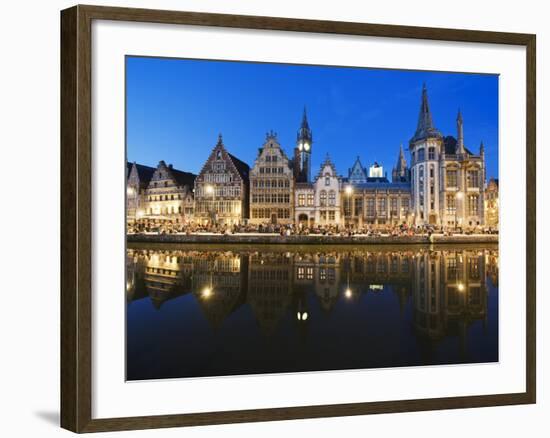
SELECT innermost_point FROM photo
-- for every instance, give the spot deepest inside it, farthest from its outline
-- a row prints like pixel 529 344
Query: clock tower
pixel 302 152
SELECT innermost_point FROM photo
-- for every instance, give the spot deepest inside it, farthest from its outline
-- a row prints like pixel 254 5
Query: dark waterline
pixel 228 310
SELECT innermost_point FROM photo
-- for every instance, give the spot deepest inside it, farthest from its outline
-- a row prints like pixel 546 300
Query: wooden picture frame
pixel 76 217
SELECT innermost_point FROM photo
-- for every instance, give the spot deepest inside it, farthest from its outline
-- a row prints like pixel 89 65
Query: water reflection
pixel 320 308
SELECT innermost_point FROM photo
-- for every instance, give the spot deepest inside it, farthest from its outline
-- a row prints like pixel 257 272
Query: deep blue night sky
pixel 177 107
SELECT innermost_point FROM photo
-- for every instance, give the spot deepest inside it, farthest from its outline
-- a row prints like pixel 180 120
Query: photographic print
pixel 286 218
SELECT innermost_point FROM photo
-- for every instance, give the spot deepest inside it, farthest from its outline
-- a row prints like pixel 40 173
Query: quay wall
pixel 271 239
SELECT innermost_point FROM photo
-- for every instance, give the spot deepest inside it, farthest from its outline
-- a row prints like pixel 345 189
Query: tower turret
pixel 426 147
pixel 302 151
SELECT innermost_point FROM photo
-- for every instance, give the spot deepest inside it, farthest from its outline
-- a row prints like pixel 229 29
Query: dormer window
pixel 327 180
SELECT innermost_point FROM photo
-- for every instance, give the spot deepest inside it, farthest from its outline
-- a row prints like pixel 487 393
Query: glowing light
pixel 306 146
pixel 299 316
pixel 460 287
pixel 459 195
pixel 348 293
pixel 206 292
pixel 209 189
pixel 349 190
pixel 304 316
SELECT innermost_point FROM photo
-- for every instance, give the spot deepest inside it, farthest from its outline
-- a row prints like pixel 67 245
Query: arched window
pixel 421 153
pixel 323 198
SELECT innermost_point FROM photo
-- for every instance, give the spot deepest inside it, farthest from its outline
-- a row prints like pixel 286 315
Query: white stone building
pixel 447 179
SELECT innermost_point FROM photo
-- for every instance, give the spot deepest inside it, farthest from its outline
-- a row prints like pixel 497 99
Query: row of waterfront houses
pixel 444 185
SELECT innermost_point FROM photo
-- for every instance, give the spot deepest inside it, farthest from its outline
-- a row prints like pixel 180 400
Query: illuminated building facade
pixel 169 196
pixel 222 189
pixel 327 195
pixel 491 203
pixel 447 178
pixel 271 185
pixel 138 178
pixel 372 200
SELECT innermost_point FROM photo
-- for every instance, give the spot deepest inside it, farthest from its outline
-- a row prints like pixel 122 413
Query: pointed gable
pixel 357 174
pixel 221 157
pixel 142 173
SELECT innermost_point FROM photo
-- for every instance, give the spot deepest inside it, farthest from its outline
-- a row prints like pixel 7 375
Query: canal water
pixel 228 310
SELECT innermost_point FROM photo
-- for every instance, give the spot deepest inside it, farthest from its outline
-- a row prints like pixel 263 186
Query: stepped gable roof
pixel 328 162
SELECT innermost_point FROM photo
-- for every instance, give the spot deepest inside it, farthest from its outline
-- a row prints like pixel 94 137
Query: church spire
pixel 400 172
pixel 401 161
pixel 459 133
pixel 425 128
